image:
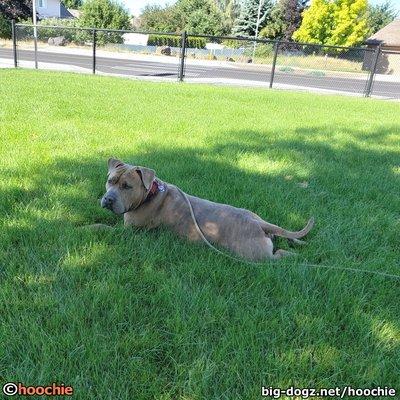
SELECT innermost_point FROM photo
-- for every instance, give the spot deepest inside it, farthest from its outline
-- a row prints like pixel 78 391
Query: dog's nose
pixel 107 202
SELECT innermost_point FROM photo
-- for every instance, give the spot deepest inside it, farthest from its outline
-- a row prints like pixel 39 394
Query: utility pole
pixel 35 30
pixel 261 2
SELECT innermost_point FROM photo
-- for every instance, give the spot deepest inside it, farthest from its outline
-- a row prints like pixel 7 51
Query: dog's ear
pixel 114 163
pixel 146 175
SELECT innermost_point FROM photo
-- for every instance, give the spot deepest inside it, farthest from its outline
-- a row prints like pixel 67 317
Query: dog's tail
pixel 278 231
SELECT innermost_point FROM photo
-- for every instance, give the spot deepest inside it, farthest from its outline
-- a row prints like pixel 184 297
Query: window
pixel 42 3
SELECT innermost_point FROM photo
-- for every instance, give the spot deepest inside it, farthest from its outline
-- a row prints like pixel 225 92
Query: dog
pixel 146 201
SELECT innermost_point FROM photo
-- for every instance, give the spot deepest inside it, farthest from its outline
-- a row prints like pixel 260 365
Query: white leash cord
pixel 349 269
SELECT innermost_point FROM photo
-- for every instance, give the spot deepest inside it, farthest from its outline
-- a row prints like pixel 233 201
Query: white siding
pixel 51 8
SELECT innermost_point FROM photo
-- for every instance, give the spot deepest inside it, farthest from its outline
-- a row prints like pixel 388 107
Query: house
pixel 389 39
pixel 52 9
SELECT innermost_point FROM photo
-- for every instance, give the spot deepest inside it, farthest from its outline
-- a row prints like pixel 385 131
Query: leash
pixel 199 231
pixel 348 269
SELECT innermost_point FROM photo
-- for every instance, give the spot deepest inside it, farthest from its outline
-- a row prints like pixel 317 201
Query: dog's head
pixel 127 186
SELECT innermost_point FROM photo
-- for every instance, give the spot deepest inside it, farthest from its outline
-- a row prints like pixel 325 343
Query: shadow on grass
pixel 147 307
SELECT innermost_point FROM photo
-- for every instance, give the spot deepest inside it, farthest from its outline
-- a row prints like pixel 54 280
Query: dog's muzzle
pixel 108 201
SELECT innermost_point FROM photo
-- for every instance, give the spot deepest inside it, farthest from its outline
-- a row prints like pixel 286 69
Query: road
pixel 236 72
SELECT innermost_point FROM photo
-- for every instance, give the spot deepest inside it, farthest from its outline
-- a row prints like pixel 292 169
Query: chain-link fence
pixel 243 61
pixel 324 68
pixel 386 81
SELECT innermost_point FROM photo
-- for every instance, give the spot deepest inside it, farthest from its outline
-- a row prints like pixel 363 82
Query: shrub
pixel 175 41
pixel 233 44
pixel 5 27
pixel 44 33
pixel 264 50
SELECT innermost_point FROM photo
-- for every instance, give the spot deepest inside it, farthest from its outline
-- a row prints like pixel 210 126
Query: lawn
pixel 132 314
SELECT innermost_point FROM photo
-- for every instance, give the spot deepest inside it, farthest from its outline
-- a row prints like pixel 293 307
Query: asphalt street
pixel 240 72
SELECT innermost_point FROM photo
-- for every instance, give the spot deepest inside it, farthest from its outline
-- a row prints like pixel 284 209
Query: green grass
pixel 133 314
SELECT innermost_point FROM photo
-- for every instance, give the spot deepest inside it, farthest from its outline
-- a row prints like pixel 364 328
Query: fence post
pixel 374 64
pixel 14 41
pixel 36 46
pixel 183 53
pixel 94 51
pixel 271 81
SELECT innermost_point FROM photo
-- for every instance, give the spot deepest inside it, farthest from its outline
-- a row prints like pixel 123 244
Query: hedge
pixel 175 41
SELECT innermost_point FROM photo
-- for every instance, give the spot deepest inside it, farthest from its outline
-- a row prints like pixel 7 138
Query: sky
pixel 136 5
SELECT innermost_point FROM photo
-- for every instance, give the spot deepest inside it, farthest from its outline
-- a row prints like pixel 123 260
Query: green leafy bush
pixel 5 28
pixel 233 44
pixel 71 35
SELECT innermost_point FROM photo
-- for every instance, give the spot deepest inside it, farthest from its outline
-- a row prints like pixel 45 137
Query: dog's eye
pixel 126 186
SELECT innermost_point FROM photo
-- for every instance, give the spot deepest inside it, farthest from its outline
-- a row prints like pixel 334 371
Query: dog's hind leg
pixel 278 231
pixel 278 253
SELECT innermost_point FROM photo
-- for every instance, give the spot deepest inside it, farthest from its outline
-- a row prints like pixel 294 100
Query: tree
pixel 104 14
pixel 285 19
pixel 230 10
pixel 380 15
pixel 317 23
pixel 291 16
pixel 276 25
pixel 245 25
pixel 337 22
pixel 201 17
pixel 16 9
pixel 194 16
pixel 72 3
pixel 159 19
pixel 13 9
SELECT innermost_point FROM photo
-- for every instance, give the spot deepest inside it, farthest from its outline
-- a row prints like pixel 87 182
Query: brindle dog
pixel 146 201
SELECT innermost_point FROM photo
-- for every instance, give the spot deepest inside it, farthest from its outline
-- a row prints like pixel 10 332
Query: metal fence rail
pixel 224 60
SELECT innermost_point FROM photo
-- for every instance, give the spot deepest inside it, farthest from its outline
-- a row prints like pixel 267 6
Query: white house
pixel 52 9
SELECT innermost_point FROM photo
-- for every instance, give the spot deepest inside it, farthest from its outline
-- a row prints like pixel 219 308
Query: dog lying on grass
pixel 146 201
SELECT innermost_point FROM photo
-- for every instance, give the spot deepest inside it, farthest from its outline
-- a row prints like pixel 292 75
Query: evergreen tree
pixel 246 24
pixel 379 15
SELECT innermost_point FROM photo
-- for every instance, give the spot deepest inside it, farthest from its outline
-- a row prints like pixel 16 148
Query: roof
pixel 64 13
pixel 388 35
pixel 75 13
